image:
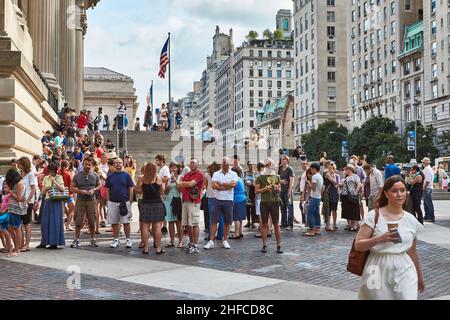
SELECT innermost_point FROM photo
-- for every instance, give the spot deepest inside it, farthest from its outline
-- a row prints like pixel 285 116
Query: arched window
pixel 285 24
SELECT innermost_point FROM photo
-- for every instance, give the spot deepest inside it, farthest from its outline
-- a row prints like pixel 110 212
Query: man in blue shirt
pixel 119 194
pixel 391 169
pixel 78 155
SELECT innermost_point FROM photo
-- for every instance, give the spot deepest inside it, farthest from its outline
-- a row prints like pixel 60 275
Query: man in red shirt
pixel 82 123
pixel 191 187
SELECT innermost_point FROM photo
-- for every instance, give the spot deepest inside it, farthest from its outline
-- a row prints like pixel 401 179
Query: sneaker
pixel 115 244
pixel 226 245
pixel 76 244
pixel 129 244
pixel 94 243
pixel 209 245
pixel 193 250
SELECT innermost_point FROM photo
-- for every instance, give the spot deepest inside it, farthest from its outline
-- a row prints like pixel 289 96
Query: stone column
pixel 79 55
pixel 43 29
pixel 67 50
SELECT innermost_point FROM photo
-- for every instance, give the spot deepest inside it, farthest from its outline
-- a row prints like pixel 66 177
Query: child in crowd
pixel 4 221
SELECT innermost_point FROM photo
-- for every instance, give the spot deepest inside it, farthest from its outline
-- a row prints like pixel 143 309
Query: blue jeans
pixel 314 213
pixel 221 223
pixel 428 203
pixel 287 211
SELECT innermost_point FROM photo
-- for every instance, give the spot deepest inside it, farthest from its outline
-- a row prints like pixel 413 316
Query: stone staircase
pixel 143 146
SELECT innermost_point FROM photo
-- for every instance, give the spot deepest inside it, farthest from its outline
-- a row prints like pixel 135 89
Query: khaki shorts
pixel 191 214
pixel 114 216
pixel 84 209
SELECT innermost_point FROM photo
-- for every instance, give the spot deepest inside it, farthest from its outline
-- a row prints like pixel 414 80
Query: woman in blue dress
pixel 240 206
pixel 173 206
pixel 52 220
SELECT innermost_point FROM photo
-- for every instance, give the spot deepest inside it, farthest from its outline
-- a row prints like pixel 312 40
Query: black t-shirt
pixel 285 176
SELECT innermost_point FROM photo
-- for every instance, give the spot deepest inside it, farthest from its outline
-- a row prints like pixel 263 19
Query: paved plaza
pixel 311 268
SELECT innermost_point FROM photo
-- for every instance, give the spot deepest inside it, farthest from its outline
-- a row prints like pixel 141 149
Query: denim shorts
pixel 15 221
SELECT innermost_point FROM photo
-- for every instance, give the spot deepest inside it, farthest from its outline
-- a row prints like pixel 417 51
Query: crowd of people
pixel 80 183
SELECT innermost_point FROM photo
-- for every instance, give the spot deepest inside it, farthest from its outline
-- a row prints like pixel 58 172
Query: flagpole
pixel 151 104
pixel 170 77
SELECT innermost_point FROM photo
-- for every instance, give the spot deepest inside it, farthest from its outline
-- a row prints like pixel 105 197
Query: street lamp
pixel 345 148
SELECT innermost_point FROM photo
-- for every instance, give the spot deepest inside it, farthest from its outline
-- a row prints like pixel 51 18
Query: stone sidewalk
pixel 310 269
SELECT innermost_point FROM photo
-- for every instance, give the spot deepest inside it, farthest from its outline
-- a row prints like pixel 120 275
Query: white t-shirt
pixel 220 177
pixel 317 178
pixel 429 176
pixel 29 180
pixel 210 192
pixel 164 172
pixel 104 168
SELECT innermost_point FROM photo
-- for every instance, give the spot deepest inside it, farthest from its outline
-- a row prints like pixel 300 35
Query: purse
pixel 357 259
pixel 351 198
pixel 54 194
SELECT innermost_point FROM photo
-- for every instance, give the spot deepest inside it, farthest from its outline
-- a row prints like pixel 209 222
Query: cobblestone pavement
pixel 319 261
pixel 30 282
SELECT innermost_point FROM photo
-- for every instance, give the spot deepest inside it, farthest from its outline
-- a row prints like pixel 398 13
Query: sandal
pixel 4 251
pixel 309 234
pixel 25 250
pixel 170 245
pixel 180 245
pixel 279 250
pixel 142 245
pixel 145 252
pixel 235 238
pixel 160 252
pixel 264 249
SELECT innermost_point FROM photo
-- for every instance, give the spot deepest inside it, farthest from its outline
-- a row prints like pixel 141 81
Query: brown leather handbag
pixel 357 259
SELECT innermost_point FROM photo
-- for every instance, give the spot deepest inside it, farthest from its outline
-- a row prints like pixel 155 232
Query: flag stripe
pixel 164 60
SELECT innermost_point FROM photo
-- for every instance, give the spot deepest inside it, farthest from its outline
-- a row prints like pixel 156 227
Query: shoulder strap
pixel 377 216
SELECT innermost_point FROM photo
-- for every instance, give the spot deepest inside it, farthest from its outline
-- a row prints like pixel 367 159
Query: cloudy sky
pixel 127 37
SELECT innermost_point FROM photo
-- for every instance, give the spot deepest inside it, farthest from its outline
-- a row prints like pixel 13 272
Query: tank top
pixel 151 193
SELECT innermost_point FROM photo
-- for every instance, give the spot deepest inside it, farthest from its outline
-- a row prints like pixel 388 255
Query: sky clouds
pixel 127 37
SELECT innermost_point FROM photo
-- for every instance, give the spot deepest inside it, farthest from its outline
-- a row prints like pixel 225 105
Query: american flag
pixel 164 60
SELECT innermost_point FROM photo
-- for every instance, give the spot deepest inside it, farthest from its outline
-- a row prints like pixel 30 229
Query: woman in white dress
pixel 392 270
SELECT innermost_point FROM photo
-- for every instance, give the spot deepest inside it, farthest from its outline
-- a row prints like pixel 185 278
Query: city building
pixel 104 88
pixel 263 74
pixel 412 73
pixel 284 23
pixel 188 106
pixel 225 106
pixel 41 67
pixel 436 86
pixel 276 123
pixel 320 63
pixel 222 49
pixel 377 30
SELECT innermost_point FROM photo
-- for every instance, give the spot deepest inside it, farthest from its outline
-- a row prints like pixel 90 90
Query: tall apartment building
pixel 263 73
pixel 320 63
pixel 225 106
pixel 222 49
pixel 189 107
pixel 436 25
pixel 412 73
pixel 377 30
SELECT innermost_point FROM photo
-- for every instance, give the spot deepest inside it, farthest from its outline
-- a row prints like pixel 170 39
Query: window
pixel 331 76
pixel 269 83
pixel 330 3
pixel 260 53
pixel 433 28
pixel 260 73
pixel 408 5
pixel 331 31
pixel 434 90
pixel 433 49
pixel 269 73
pixel 260 83
pixel 332 92
pixel 434 70
pixel 331 46
pixel 288 74
pixel 279 74
pixel 331 61
pixel 251 73
pixel 331 16
pixel 252 83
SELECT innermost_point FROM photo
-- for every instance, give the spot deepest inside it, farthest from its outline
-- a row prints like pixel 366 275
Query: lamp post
pixel 345 146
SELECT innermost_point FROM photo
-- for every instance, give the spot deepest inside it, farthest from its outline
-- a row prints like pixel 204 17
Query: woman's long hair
pixel 213 168
pixel 149 173
pixel 12 178
pixel 25 163
pixel 382 200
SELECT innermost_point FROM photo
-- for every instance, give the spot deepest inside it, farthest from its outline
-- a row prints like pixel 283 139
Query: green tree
pixel 252 35
pixel 425 142
pixel 278 34
pixel 444 139
pixel 268 35
pixel 375 139
pixel 321 139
